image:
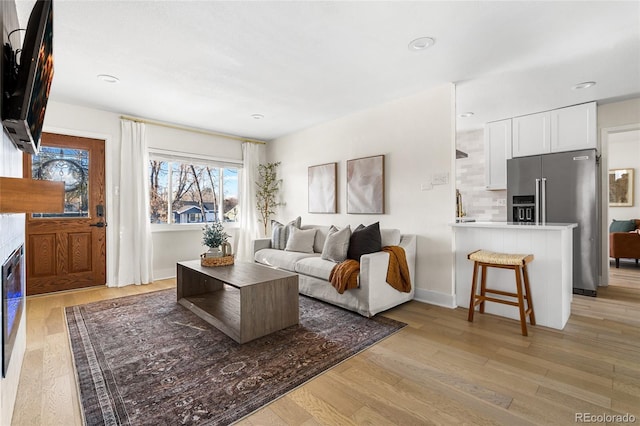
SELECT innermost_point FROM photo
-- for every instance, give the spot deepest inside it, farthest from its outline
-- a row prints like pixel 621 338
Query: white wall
pixel 416 134
pixel 11 237
pixel 171 246
pixel 185 142
pixel 619 113
pixel 624 153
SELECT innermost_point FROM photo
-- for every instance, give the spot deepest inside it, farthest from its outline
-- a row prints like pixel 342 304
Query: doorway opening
pixel 623 207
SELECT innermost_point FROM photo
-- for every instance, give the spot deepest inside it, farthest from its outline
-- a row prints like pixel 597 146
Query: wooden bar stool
pixel 517 262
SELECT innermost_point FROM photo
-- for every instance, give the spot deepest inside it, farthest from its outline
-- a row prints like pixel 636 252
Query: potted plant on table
pixel 215 237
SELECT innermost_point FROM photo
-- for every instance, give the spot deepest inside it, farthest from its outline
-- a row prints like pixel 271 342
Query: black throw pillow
pixel 364 240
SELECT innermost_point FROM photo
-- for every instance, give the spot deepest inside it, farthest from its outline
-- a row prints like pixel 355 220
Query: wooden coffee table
pixel 245 301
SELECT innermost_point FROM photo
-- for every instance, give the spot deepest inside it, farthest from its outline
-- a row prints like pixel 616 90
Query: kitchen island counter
pixel 550 273
pixel 516 225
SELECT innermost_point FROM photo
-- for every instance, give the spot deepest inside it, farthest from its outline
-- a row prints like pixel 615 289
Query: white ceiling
pixel 213 64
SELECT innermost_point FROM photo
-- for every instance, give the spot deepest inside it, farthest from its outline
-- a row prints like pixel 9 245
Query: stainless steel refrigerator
pixel 561 188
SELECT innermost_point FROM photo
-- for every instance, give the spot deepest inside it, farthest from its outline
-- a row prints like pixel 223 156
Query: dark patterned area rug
pixel 147 360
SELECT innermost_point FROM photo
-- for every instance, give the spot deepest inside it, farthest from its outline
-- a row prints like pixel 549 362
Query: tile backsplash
pixel 477 202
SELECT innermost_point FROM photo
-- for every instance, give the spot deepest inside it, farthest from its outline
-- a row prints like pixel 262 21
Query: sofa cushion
pixel 390 237
pixel 315 267
pixel 321 236
pixel 364 240
pixel 301 240
pixel 336 245
pixel 622 225
pixel 280 232
pixel 280 258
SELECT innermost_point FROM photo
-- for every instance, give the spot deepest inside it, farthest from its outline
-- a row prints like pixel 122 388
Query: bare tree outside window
pixel 158 172
pixel 182 192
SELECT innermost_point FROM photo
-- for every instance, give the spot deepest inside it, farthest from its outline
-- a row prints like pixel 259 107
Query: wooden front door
pixel 68 250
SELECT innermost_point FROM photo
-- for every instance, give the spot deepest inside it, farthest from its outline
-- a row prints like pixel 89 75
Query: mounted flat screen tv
pixel 26 94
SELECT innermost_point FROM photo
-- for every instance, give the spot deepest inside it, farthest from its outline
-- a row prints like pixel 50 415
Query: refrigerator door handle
pixel 537 199
pixel 543 204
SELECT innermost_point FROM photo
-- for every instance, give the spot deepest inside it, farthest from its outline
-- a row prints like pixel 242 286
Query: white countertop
pixel 515 225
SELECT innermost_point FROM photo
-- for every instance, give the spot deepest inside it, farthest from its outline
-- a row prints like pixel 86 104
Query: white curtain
pixel 249 229
pixel 134 247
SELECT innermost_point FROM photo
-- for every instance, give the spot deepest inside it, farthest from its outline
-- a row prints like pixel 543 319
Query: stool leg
pixel 483 287
pixel 472 302
pixel 527 289
pixel 523 318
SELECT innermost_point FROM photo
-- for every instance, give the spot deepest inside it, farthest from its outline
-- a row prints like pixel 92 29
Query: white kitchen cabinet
pixel 574 128
pixel 564 129
pixel 497 150
pixel 532 134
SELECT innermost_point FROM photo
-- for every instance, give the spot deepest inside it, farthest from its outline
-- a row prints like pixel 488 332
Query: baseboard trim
pixel 435 298
pixel 164 274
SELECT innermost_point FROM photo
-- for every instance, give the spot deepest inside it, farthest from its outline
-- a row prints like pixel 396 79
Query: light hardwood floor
pixel 627 275
pixel 438 370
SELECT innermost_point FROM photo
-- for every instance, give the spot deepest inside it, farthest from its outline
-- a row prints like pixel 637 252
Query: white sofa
pixel 373 294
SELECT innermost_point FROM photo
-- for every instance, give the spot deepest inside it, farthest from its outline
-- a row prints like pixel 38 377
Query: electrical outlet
pixel 501 202
pixel 426 186
pixel 440 178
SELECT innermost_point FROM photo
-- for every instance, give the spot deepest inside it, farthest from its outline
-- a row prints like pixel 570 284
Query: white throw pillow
pixel 301 240
pixel 336 245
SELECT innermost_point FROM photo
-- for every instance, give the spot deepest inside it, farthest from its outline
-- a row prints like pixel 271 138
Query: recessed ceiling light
pixel 584 85
pixel 465 114
pixel 421 43
pixel 257 116
pixel 108 78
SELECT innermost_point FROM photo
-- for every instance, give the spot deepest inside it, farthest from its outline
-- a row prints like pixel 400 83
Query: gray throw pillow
pixel 336 245
pixel 622 225
pixel 301 240
pixel 280 232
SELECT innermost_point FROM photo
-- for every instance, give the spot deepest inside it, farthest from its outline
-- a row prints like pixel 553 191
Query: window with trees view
pixel 185 192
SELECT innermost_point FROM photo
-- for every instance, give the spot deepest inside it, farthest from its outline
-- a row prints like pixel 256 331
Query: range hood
pixel 460 154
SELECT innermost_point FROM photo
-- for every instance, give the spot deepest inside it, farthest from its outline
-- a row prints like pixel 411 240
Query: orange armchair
pixel 625 245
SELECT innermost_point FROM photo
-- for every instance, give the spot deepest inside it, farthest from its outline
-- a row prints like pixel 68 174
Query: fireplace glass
pixel 12 304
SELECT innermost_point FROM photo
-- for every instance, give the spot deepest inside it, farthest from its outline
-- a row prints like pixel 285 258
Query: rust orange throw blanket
pixel 398 271
pixel 344 275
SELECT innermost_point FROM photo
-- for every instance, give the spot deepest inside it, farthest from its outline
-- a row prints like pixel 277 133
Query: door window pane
pixel 70 166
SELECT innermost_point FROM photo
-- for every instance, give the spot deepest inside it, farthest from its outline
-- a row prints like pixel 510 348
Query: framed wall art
pixel 621 187
pixel 323 185
pixel 365 185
